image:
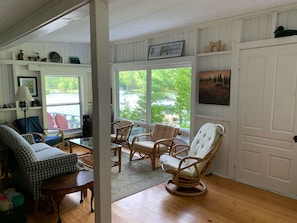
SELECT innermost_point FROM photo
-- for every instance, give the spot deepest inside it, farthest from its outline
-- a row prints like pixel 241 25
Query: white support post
pixel 99 26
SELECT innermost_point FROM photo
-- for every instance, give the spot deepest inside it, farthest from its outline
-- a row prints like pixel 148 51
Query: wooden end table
pixel 57 187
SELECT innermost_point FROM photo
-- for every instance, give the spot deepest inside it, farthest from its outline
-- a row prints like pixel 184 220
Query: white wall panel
pixel 128 52
pixel 221 32
pixel 7 95
pixel 257 28
pixel 6 80
pixel 288 19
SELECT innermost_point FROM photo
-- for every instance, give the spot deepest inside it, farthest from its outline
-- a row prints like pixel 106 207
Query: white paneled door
pixel 266 153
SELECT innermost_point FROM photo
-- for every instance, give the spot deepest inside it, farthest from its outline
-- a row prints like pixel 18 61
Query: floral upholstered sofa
pixel 36 162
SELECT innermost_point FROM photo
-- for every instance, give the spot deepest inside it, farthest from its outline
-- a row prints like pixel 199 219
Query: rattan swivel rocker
pixel 188 170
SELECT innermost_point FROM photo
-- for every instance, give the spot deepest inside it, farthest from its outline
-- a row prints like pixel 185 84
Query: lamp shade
pixel 23 94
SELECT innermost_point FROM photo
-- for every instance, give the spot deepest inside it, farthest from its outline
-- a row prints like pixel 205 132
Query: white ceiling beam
pixel 28 28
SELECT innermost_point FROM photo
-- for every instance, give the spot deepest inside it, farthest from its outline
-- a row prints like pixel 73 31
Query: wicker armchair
pixel 122 131
pixel 155 143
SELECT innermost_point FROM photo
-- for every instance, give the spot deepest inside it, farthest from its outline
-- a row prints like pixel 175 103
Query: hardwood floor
pixel 225 201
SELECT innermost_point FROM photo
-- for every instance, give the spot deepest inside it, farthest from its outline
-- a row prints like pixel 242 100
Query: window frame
pixel 80 96
pixel 149 66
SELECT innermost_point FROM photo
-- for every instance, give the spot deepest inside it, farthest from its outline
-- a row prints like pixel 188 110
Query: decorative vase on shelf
pixel 21 55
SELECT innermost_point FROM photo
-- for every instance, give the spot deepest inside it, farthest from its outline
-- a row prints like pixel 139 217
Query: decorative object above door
pixel 281 32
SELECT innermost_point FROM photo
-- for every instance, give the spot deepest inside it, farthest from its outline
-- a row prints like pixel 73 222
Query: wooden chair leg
pixel 153 160
pixel 131 155
pixel 62 145
pixel 85 192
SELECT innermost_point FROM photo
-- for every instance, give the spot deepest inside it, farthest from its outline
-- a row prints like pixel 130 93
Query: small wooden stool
pixel 60 185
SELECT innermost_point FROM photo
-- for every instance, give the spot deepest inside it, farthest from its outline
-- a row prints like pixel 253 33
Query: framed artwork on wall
pixel 166 50
pixel 31 83
pixel 214 87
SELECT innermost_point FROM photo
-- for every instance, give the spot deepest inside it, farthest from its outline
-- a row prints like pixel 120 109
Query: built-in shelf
pixel 214 53
pixel 35 108
pixel 27 62
pixel 212 117
pixel 14 109
pixel 7 109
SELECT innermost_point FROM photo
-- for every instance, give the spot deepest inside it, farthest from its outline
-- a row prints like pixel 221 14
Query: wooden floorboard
pixel 225 201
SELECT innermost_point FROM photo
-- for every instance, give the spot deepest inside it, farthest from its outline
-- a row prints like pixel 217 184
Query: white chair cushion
pixel 171 164
pixel 204 140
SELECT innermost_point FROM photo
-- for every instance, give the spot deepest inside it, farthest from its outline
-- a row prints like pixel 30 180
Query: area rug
pixel 135 176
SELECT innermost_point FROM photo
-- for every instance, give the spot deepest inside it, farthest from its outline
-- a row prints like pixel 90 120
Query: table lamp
pixel 23 95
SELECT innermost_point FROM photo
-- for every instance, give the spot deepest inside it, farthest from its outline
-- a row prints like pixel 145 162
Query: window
pixel 63 97
pixel 159 95
pixel 132 95
pixel 171 96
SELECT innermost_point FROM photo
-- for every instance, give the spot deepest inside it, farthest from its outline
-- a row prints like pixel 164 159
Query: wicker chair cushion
pixel 171 164
pixel 147 147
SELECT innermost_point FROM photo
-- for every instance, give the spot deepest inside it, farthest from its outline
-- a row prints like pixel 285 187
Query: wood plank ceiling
pixel 128 18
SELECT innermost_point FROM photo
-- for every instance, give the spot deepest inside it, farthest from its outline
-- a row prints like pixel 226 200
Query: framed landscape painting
pixel 31 83
pixel 214 87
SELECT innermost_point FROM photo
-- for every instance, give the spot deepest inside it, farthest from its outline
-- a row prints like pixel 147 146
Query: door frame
pixel 235 68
